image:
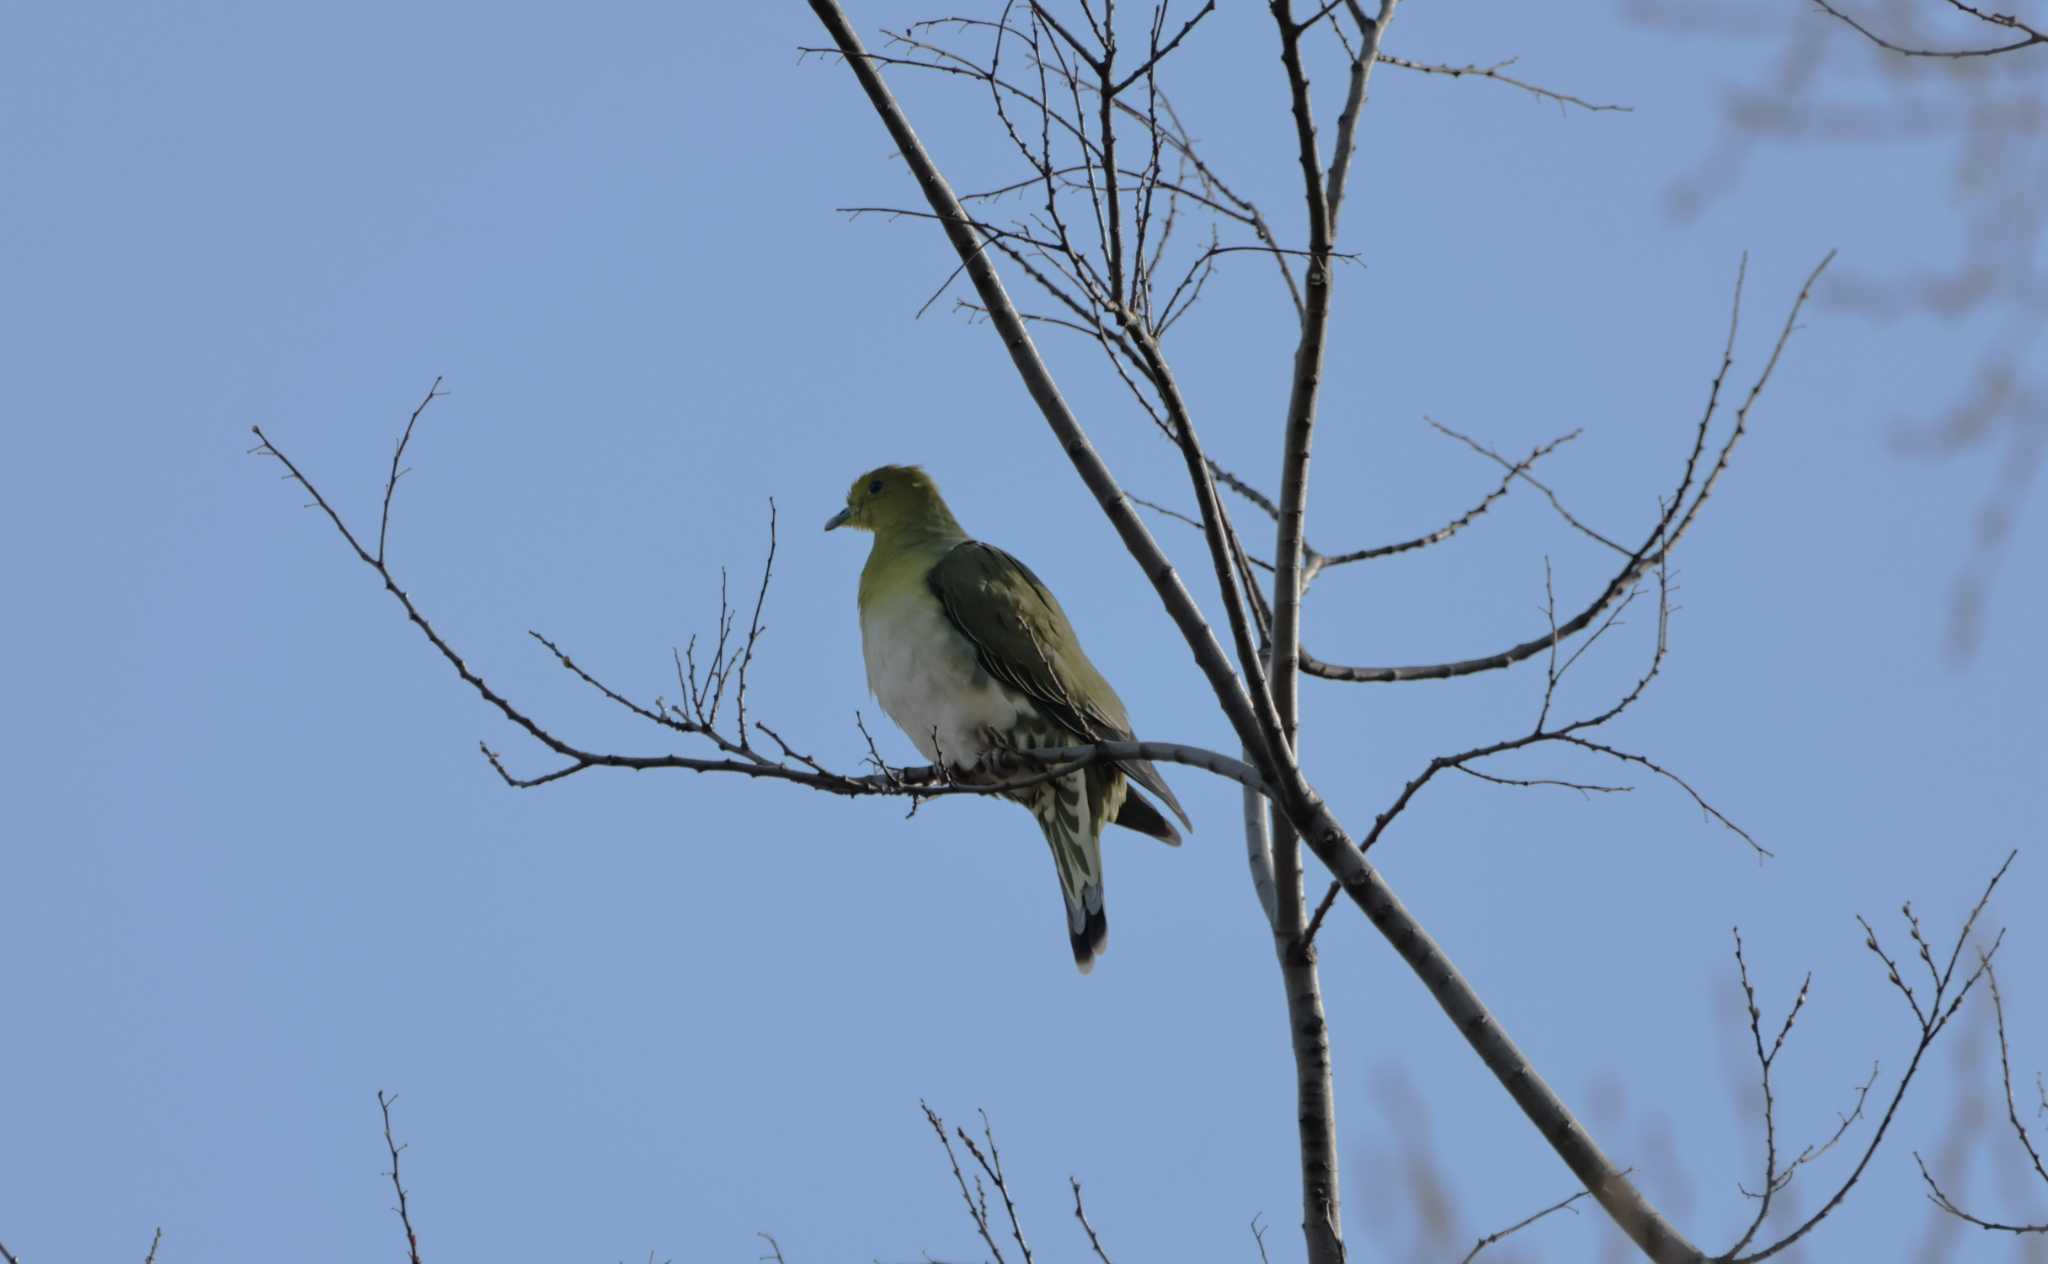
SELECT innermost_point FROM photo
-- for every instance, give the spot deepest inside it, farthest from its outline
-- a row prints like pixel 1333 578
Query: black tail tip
pixel 1090 941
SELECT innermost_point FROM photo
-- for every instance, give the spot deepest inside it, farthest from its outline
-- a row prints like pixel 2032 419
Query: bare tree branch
pixel 1160 52
pixel 1315 561
pixel 1572 734
pixel 1942 1003
pixel 1563 1204
pixel 1171 132
pixel 1315 1097
pixel 1318 562
pixel 1081 1214
pixel 1773 1180
pixel 1663 536
pixel 1935 1194
pixel 696 714
pixel 991 1165
pixel 1520 470
pixel 2028 35
pixel 977 1209
pixel 384 1104
pixel 434 392
pixel 1986 127
pixel 1493 72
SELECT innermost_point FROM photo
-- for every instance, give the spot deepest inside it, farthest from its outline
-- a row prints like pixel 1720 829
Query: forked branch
pixel 1573 735
pixel 703 689
pixel 1932 1011
pixel 1935 1193
pixel 1681 510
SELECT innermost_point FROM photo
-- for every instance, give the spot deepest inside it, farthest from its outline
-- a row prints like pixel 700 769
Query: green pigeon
pixel 968 653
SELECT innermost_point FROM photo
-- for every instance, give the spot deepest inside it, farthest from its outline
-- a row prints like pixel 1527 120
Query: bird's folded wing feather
pixel 1022 638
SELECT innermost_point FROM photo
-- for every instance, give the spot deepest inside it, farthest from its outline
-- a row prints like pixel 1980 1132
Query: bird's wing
pixel 1138 814
pixel 1022 638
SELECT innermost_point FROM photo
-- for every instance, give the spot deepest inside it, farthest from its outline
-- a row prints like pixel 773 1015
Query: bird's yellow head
pixel 894 498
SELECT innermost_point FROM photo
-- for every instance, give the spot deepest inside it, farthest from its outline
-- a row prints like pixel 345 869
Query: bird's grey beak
pixel 838 519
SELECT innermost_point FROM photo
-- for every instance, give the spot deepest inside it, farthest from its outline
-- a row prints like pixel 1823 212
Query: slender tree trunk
pixel 1315 1097
pixel 1322 1223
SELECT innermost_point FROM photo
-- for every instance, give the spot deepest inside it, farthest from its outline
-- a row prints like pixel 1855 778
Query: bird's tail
pixel 1072 812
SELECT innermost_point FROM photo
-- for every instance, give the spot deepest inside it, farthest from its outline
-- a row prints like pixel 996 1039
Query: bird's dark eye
pixel 875 488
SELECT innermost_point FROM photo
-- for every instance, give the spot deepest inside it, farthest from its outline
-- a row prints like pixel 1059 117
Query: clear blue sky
pixel 255 869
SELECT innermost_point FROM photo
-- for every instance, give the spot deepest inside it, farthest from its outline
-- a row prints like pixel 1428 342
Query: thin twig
pixel 991 1165
pixel 412 1241
pixel 1515 470
pixel 1772 1181
pixel 2029 35
pixel 977 1211
pixel 434 392
pixel 1080 1214
pixel 1493 72
pixel 1563 1204
pixel 1520 470
pixel 1939 1197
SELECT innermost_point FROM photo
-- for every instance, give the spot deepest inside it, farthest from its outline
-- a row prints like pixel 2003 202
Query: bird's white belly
pixel 925 675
